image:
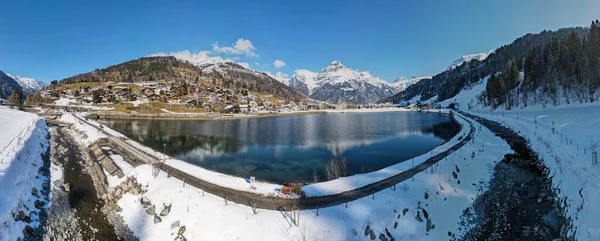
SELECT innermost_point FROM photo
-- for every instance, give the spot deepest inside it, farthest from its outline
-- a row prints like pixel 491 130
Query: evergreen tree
pixel 96 98
pixel 511 74
pixel 16 98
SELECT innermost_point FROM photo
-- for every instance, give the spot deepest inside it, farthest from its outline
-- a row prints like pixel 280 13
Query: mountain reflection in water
pixel 288 148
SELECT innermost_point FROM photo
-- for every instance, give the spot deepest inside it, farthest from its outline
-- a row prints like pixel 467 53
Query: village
pixel 177 96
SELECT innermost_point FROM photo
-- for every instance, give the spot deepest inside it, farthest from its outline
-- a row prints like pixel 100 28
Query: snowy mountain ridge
pixel 401 83
pixel 29 85
pixel 469 57
pixel 337 83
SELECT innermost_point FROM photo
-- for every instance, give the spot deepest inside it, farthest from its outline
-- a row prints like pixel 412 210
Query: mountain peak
pixel 469 57
pixel 334 66
pixel 400 79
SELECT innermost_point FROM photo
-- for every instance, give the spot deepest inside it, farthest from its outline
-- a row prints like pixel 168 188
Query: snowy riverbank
pixel 567 153
pixel 23 142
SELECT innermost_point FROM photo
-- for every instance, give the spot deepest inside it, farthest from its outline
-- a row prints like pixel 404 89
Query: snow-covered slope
pixel 304 81
pixel 23 141
pixel 401 83
pixel 29 85
pixel 201 58
pixel 469 57
pixel 339 84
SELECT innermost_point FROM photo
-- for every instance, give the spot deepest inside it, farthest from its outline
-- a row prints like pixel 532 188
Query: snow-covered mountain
pixel 28 85
pixel 200 59
pixel 304 81
pixel 467 58
pixel 401 83
pixel 339 84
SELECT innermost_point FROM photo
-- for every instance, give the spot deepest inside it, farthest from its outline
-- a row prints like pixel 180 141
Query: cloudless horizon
pixel 54 40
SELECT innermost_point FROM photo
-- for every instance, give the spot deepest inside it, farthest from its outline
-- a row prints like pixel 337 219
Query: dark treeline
pixel 447 84
pixel 499 85
pixel 563 71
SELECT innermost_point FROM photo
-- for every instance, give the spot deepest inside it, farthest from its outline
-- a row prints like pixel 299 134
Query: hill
pixel 169 68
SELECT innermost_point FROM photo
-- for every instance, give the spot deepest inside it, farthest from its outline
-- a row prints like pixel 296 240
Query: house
pixel 148 91
pixel 232 109
pixel 127 97
pixel 122 92
pixel 413 106
pixel 106 97
pixel 203 97
pixel 154 98
pixel 245 108
pixel 162 86
pixel 174 100
pixel 84 89
pixel 191 103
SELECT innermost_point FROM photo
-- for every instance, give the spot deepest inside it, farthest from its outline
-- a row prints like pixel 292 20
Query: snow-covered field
pixel 63 101
pixel 23 139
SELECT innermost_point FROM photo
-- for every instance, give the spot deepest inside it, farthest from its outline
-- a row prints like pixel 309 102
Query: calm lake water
pixel 287 149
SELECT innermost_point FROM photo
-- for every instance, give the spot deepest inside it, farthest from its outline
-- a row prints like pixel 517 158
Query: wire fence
pixel 18 138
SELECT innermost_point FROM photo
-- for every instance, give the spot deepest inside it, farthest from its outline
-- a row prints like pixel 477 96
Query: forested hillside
pixel 448 83
pixel 563 71
pixel 231 75
pixel 139 70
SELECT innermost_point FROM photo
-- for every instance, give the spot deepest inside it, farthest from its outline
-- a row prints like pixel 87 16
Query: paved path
pixel 274 203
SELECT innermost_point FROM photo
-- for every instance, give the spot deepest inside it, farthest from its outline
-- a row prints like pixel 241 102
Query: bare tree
pixel 315 175
pixel 336 169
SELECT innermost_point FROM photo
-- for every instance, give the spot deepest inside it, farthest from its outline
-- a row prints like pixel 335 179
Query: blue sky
pixel 56 39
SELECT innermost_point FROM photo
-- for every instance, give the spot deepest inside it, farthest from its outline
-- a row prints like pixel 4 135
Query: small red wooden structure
pixel 289 190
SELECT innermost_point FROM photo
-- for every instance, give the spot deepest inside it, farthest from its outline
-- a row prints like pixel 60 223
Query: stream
pixel 518 203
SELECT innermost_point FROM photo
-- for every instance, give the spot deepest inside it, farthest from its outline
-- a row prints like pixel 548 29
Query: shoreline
pixel 216 116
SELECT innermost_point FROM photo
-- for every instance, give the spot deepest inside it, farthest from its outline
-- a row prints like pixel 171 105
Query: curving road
pixel 138 157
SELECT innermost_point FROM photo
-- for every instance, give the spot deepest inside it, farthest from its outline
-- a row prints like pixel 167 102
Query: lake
pixel 290 149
